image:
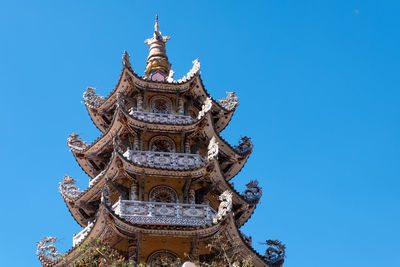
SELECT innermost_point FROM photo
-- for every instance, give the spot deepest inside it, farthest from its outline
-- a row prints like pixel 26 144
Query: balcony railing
pixel 160 213
pixel 165 160
pixel 78 238
pixel 161 117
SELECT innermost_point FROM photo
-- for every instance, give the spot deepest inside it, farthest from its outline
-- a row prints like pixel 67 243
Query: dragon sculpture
pixel 224 207
pixel 76 143
pixel 47 251
pixel 68 189
pixel 212 149
pixel 205 108
pixel 91 98
pixel 253 192
pixel 230 102
pixel 275 252
pixel 245 145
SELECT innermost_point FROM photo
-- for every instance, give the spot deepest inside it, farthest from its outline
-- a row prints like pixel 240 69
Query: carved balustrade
pixel 161 213
pixel 161 117
pixel 165 160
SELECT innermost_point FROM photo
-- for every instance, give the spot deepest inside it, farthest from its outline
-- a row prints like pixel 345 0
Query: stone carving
pixel 275 252
pixel 163 213
pixel 162 118
pixel 162 258
pixel 47 251
pixel 125 60
pixel 193 71
pixel 253 192
pixel 245 145
pixel 68 189
pixel 165 160
pixel 91 98
pixel 224 207
pixel 77 239
pixel 76 143
pixel 230 102
pixel 205 108
pixel 212 149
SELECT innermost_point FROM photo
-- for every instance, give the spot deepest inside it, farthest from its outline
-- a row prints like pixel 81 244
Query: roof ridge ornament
pixel 125 60
pixel 157 66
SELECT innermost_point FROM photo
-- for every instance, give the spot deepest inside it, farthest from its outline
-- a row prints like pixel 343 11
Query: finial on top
pixel 157 61
pixel 156 25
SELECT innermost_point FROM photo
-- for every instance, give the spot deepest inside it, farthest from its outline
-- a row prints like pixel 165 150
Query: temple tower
pixel 160 172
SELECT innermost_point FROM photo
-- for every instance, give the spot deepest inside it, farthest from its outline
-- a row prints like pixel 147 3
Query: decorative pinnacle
pixel 157 59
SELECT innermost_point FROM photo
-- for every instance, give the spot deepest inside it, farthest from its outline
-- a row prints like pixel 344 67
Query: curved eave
pixel 247 206
pixel 94 190
pixel 98 230
pixel 226 115
pixel 257 259
pixel 238 159
pixel 122 86
pixel 74 211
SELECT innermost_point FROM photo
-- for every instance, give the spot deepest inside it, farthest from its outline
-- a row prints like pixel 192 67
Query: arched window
pixel 160 104
pixel 162 144
pixel 162 258
pixel 163 193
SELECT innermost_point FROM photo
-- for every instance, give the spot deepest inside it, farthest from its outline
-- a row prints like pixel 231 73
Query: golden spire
pixel 157 59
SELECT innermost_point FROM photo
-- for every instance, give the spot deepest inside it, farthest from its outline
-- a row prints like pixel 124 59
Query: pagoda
pixel 160 172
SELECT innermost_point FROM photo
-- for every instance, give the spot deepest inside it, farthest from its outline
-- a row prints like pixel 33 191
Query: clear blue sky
pixel 318 83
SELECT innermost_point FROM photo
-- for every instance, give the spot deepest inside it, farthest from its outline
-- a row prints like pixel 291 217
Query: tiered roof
pixel 112 163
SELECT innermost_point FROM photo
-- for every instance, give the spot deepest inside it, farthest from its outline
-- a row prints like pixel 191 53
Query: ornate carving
pixel 164 160
pixel 162 143
pixel 162 118
pixel 160 104
pixel 205 108
pixel 76 143
pixel 224 207
pixel 275 252
pixel 245 145
pixel 91 98
pixel 230 102
pixel 68 189
pixel 47 251
pixel 164 213
pixel 253 192
pixel 164 194
pixel 162 258
pixel 212 149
